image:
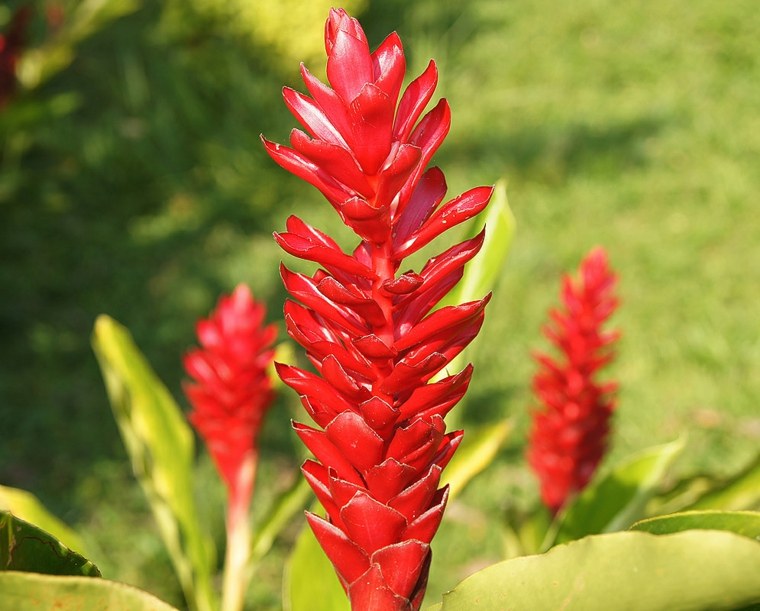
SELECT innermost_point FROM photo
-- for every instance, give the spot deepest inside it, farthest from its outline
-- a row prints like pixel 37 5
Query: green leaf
pixel 681 495
pixel 160 445
pixel 481 274
pixel 33 591
pixel 310 582
pixel 28 507
pixel 525 531
pixel 477 451
pixel 616 500
pixel 25 547
pixel 737 493
pixel 483 271
pixel 745 523
pixel 282 511
pixel 626 571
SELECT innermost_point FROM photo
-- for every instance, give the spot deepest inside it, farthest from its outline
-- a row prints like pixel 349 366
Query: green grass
pixel 632 128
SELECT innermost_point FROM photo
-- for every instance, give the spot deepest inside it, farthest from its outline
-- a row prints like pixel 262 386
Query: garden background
pixel 133 182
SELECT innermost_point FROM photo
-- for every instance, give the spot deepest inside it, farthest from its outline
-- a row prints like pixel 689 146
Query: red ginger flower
pixel 232 390
pixel 11 45
pixel 231 394
pixel 569 436
pixel 368 331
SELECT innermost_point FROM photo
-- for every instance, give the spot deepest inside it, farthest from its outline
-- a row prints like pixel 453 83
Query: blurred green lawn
pixel 637 128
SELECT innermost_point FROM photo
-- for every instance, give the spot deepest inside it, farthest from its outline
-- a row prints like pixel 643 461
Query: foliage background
pixel 133 183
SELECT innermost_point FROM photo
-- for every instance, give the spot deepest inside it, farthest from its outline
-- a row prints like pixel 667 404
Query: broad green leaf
pixel 160 445
pixel 737 493
pixel 310 582
pixel 616 500
pixel 745 523
pixel 478 449
pixel 26 591
pixel 28 507
pixel 282 511
pixel 625 571
pixel 25 547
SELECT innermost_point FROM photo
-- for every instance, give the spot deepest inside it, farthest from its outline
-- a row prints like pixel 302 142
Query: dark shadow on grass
pixel 552 153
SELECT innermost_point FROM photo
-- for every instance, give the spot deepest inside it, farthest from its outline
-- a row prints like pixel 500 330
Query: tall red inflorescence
pixel 12 44
pixel 371 332
pixel 231 389
pixel 571 428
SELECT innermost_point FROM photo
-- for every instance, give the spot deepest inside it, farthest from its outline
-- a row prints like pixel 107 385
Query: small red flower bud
pixel 372 333
pixel 570 430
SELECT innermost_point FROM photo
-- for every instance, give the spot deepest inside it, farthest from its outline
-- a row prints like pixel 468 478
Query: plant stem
pixel 236 576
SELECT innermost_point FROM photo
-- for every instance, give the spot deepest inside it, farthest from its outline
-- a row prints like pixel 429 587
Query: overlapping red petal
pixel 570 429
pixel 371 331
pixel 231 390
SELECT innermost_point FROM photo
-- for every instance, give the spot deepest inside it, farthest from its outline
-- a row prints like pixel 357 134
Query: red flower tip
pixel 231 390
pixel 372 331
pixel 570 430
pixel 11 46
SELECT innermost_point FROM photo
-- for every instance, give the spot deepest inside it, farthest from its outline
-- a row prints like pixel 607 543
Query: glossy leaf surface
pixel 25 547
pixel 745 523
pixel 25 505
pixel 33 591
pixel 688 571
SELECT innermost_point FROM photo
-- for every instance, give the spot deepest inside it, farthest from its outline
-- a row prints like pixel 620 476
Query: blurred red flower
pixel 231 391
pixel 368 331
pixel 570 429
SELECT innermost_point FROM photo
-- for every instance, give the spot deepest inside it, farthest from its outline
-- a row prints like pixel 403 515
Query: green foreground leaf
pixel 745 523
pixel 25 547
pixel 616 500
pixel 28 507
pixel 627 571
pixel 160 443
pixel 22 591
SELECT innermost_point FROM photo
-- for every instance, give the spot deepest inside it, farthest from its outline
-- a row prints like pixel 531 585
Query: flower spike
pixel 230 393
pixel 372 332
pixel 570 430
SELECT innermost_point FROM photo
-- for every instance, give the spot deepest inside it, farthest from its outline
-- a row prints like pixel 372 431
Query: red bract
pixel 231 390
pixel 371 332
pixel 570 431
pixel 11 45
